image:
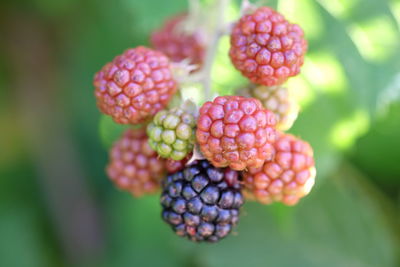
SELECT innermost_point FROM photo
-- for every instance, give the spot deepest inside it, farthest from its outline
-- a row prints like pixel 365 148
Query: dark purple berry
pixel 202 202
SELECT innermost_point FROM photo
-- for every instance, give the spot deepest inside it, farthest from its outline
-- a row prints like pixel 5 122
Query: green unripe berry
pixel 171 133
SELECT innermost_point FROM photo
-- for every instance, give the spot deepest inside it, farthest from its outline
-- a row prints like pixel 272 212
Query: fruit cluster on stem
pixel 207 160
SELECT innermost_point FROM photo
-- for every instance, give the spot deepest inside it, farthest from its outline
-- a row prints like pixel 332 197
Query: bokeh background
pixel 57 207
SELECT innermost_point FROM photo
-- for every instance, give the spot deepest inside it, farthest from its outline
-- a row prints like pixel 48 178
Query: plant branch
pixel 213 46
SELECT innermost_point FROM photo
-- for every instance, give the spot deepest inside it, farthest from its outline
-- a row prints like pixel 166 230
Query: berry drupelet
pixel 236 131
pixel 287 178
pixel 202 202
pixel 135 85
pixel 266 48
pixel 173 166
pixel 134 166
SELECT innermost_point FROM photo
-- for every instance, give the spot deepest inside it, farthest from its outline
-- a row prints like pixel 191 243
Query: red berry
pixel 177 44
pixel 236 131
pixel 134 166
pixel 135 85
pixel 287 178
pixel 266 48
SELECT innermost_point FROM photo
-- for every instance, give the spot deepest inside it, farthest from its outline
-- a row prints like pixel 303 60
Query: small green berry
pixel 171 133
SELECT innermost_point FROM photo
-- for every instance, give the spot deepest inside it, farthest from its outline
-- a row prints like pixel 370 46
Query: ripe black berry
pixel 202 202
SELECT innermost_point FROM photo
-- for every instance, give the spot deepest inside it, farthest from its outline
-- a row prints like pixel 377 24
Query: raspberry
pixel 278 100
pixel 202 202
pixel 135 85
pixel 236 131
pixel 266 48
pixel 171 133
pixel 134 166
pixel 176 43
pixel 288 177
pixel 173 166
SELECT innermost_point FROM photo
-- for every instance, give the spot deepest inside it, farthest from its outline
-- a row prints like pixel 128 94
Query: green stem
pixel 213 47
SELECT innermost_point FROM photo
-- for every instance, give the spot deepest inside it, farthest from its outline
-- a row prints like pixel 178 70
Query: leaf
pixel 21 244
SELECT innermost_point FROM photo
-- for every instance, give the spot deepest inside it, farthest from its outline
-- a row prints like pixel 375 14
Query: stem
pixel 213 46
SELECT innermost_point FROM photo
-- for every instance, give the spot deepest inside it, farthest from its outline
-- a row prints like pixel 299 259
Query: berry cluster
pixel 177 43
pixel 171 133
pixel 206 160
pixel 236 131
pixel 135 85
pixel 266 48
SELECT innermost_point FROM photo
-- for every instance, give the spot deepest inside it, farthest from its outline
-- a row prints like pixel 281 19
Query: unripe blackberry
pixel 135 85
pixel 276 99
pixel 134 166
pixel 266 48
pixel 171 133
pixel 288 177
pixel 178 44
pixel 236 131
pixel 202 202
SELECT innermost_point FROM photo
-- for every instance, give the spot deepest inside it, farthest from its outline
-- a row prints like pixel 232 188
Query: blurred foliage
pixel 349 96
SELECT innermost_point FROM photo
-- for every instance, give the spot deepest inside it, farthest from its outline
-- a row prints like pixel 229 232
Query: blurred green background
pixel 57 207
